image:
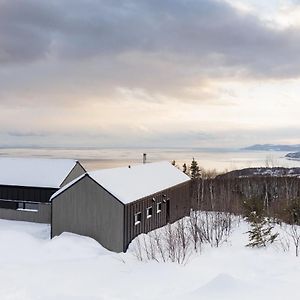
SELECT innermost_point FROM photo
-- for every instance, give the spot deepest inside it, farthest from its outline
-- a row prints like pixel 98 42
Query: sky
pixel 150 73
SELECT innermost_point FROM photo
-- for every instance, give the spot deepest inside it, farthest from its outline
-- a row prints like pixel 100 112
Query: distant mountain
pixel 262 172
pixel 293 155
pixel 272 147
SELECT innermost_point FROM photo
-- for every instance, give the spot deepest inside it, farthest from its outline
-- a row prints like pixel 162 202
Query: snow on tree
pixel 261 229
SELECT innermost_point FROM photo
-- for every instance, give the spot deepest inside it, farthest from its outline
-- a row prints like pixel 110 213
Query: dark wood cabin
pixel 114 206
pixel 27 184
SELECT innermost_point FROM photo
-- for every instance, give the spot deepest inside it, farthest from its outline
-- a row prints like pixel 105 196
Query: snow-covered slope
pixel 32 267
pixel 36 172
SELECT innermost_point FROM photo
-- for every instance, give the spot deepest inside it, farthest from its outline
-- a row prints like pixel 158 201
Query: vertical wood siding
pixel 33 194
pixel 77 171
pixel 86 208
pixel 42 215
pixel 179 197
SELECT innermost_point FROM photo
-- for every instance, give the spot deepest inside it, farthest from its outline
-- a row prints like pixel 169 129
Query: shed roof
pixel 130 184
pixel 34 172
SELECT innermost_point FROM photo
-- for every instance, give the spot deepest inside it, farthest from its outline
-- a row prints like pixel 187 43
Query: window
pixel 158 207
pixel 149 212
pixel 137 218
pixel 32 206
pixel 29 206
pixel 21 205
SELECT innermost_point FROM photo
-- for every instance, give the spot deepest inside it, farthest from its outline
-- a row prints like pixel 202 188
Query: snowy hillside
pixel 73 267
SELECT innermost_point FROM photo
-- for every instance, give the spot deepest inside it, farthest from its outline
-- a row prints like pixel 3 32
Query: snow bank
pixel 73 267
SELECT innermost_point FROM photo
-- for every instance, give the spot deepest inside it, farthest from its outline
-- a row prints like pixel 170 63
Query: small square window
pixel 32 206
pixel 149 212
pixel 137 218
pixel 21 205
pixel 158 207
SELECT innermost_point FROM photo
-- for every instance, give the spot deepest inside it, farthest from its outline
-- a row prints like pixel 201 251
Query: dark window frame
pixel 159 207
pixel 149 212
pixel 137 218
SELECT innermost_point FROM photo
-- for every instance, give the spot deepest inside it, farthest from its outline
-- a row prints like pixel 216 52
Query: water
pixel 219 159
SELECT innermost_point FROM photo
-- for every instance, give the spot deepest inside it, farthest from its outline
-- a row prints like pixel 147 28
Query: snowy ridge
pixel 130 184
pixel 272 171
pixel 35 172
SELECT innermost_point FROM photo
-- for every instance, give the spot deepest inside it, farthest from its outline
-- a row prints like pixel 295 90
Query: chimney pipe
pixel 144 157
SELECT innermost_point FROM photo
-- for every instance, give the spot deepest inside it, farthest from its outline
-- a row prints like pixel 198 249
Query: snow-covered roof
pixel 34 172
pixel 130 184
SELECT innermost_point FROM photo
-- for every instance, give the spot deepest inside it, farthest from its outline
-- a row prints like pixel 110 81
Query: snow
pixel 33 267
pixel 130 184
pixel 35 172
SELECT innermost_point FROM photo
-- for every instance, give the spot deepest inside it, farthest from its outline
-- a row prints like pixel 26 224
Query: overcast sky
pixel 194 73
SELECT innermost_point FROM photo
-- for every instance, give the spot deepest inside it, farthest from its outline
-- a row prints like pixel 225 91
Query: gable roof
pixel 130 184
pixel 34 172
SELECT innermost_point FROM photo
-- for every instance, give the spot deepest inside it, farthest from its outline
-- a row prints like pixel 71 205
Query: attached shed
pixel 26 185
pixel 113 206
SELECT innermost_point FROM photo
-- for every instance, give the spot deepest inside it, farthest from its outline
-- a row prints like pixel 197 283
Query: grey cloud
pixel 192 33
pixel 132 138
pixel 27 134
pixel 25 30
pixel 66 51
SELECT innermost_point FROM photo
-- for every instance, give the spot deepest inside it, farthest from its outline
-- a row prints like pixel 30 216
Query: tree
pixel 293 217
pixel 184 168
pixel 195 170
pixel 261 232
pixel 294 232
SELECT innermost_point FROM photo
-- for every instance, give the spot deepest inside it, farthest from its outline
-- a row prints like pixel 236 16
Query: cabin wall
pixel 86 208
pixel 179 207
pixel 41 215
pixel 33 194
pixel 77 171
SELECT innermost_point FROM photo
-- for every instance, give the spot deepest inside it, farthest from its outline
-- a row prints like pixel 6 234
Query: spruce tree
pixel 261 233
pixel 261 230
pixel 184 168
pixel 195 171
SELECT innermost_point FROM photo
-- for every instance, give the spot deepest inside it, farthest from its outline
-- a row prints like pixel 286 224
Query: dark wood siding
pixel 179 201
pixel 8 204
pixel 77 171
pixel 42 215
pixel 33 194
pixel 88 209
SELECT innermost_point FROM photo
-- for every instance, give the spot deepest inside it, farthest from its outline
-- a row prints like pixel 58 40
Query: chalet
pixel 26 185
pixel 113 206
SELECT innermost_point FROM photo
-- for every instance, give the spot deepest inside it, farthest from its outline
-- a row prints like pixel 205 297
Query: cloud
pixel 147 69
pixel 25 30
pixel 197 34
